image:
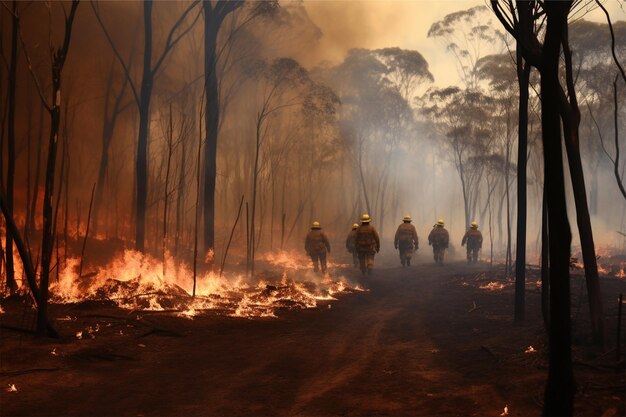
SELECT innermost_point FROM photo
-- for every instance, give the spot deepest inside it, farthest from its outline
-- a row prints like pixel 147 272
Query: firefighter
pixel 474 240
pixel 439 239
pixel 317 246
pixel 406 241
pixel 367 244
pixel 351 245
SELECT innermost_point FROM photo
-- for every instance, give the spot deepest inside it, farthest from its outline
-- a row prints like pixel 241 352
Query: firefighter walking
pixel 474 240
pixel 439 238
pixel 367 244
pixel 406 241
pixel 317 246
pixel 351 245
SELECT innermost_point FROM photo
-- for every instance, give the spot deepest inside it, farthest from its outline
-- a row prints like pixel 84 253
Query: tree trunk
pixel 545 265
pixel 10 270
pixel 559 393
pixel 170 145
pixel 108 127
pixel 523 76
pixel 180 198
pixel 144 127
pixel 211 115
pixel 570 115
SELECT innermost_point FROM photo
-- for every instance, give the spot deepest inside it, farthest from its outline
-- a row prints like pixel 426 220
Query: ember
pixel 492 286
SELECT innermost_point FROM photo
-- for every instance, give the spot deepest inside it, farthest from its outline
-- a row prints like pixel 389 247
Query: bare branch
pixel 32 73
pixel 608 19
pixel 116 52
pixel 169 44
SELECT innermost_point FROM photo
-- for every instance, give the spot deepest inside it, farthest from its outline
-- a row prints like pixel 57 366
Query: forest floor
pixel 422 341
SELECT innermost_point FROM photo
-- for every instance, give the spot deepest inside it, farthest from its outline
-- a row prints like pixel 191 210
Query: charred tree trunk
pixel 523 77
pixel 141 164
pixel 108 127
pixel 214 16
pixel 10 270
pixel 560 388
pixel 30 220
pixel 166 196
pixel 570 115
pixel 545 265
pixel 211 115
pixel 44 327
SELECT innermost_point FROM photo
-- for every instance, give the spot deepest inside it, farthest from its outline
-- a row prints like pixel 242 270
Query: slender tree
pixel 40 292
pixel 143 98
pixel 15 21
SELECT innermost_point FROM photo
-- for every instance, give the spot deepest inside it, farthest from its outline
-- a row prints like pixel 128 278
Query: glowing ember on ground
pixel 136 281
pixel 79 335
pixel 54 352
pixel 492 286
pixel 530 349
pixel 506 411
pixel 1 310
pixel 12 388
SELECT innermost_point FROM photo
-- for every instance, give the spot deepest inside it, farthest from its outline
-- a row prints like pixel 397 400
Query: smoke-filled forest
pixel 312 208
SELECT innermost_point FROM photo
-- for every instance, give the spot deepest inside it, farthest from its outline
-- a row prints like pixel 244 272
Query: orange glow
pixel 135 281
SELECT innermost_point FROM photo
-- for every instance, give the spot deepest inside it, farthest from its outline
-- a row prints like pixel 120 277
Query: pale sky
pixel 404 23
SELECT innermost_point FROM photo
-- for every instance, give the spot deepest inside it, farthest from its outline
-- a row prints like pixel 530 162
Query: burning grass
pixel 136 281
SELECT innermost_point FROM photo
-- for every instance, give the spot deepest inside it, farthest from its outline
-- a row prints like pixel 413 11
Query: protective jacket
pixel 351 241
pixel 473 238
pixel 367 240
pixel 406 237
pixel 316 242
pixel 439 237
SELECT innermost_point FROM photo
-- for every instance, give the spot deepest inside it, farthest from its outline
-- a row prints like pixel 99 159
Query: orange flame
pixel 136 281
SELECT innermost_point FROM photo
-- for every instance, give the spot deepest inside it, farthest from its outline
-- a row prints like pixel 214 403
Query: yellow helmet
pixel 355 226
pixel 365 218
pixel 474 225
pixel 406 219
pixel 316 225
pixel 440 223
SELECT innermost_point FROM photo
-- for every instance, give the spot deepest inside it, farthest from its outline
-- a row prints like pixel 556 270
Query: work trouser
pixel 355 258
pixel 406 252
pixel 438 252
pixel 366 261
pixel 472 253
pixel 319 257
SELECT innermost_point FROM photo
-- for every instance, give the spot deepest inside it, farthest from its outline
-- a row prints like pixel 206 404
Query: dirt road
pixel 420 342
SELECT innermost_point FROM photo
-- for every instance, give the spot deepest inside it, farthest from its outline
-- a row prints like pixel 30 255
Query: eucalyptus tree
pixel 52 103
pixel 11 284
pixel 143 95
pixel 592 57
pixel 215 14
pixel 558 106
pixel 524 21
pixel 468 35
pixel 376 88
pixel 459 117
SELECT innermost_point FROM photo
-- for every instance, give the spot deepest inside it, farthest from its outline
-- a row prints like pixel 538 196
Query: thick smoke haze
pixel 308 96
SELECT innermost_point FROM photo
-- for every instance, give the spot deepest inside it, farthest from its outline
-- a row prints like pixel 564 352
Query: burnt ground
pixel 424 341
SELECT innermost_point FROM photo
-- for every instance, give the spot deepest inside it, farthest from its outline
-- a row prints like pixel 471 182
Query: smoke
pixel 307 171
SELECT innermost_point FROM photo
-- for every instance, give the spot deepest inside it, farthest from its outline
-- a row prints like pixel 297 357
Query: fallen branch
pixel 27 371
